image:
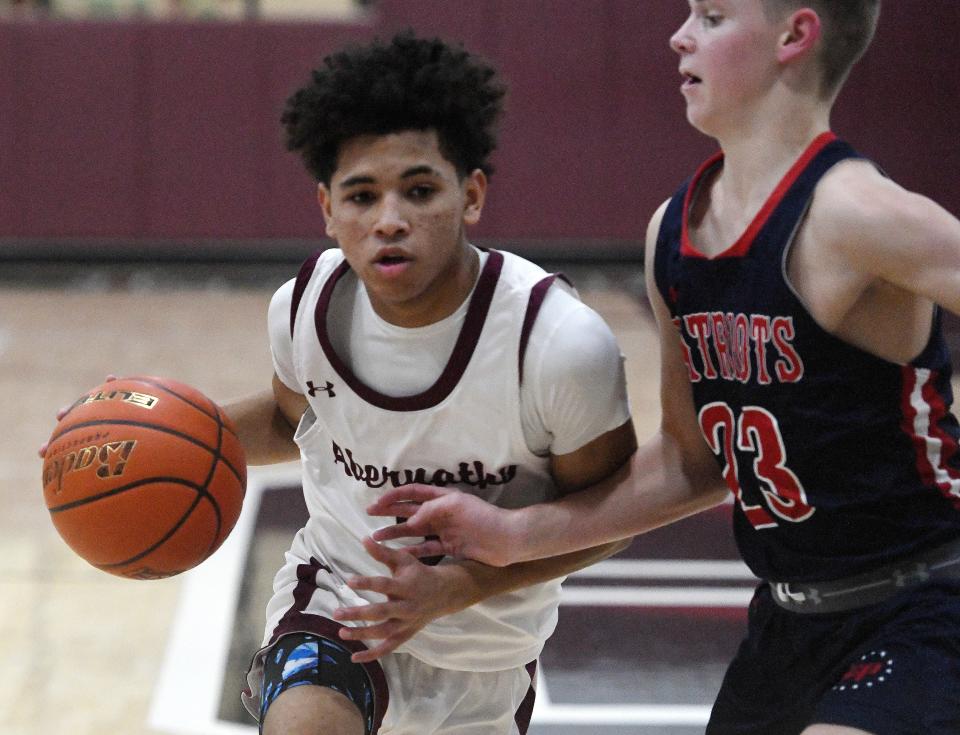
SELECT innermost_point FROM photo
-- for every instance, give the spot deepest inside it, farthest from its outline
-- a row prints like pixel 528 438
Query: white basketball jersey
pixel 464 432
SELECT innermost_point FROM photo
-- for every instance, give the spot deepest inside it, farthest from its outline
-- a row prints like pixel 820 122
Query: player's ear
pixel 475 190
pixel 801 35
pixel 324 199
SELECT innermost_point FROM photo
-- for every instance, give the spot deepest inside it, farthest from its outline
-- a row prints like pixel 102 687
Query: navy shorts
pixel 890 669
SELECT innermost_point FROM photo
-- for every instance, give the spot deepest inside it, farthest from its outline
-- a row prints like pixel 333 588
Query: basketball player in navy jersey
pixel 798 293
pixel 385 350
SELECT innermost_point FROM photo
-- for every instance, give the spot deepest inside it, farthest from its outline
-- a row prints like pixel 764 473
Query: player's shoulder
pixel 856 207
pixel 318 264
pixel 521 269
pixel 855 195
pixel 569 331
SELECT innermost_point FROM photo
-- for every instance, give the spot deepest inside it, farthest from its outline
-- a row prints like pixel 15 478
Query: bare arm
pixel 417 594
pixel 671 476
pixel 266 422
pixel 892 234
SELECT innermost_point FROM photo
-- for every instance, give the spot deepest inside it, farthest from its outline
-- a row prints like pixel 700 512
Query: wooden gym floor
pixel 641 643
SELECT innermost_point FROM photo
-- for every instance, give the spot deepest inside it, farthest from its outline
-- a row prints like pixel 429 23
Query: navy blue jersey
pixel 839 460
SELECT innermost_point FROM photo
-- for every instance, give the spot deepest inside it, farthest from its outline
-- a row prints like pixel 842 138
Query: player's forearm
pixel 475 582
pixel 655 488
pixel 265 433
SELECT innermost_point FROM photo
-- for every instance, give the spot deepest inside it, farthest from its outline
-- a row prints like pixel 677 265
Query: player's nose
pixel 680 41
pixel 391 222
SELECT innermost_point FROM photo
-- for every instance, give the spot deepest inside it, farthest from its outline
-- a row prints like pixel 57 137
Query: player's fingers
pixel 429 547
pixel 406 494
pixel 400 509
pixel 42 451
pixel 400 530
pixel 393 558
pixel 375 611
pixel 388 645
pixel 381 585
pixel 64 410
pixel 380 631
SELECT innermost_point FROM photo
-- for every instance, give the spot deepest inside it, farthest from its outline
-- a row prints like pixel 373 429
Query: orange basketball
pixel 144 477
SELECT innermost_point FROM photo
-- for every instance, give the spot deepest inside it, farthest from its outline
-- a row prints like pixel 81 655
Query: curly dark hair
pixel 407 84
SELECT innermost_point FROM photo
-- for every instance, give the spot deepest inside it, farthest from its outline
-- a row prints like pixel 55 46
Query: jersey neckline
pixel 742 244
pixel 456 364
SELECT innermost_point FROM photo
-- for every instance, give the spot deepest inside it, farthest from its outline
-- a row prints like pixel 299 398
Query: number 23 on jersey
pixel 757 434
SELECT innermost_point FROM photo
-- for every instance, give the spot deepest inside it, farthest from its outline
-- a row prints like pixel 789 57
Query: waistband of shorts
pixel 869 588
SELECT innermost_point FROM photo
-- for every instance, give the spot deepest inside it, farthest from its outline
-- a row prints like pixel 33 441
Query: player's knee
pixel 311 687
pixel 309 709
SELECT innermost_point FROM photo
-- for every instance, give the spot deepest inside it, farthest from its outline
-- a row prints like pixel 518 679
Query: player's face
pixel 728 60
pixel 399 212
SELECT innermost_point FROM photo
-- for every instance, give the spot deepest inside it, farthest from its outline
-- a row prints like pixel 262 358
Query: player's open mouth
pixel 391 261
pixel 689 79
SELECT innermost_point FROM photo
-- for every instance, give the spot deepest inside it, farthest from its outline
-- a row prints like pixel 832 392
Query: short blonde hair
pixel 848 29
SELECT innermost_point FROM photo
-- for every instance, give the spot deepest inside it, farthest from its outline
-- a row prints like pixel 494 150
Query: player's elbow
pixel 613 548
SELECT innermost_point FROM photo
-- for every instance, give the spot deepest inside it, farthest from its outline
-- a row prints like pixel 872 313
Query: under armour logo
pixel 783 592
pixel 328 389
pixel 918 574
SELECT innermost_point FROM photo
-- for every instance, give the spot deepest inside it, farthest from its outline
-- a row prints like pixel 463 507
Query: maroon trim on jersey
pixel 459 358
pixel 303 278
pixel 742 246
pixel 296 620
pixel 525 711
pixel 537 294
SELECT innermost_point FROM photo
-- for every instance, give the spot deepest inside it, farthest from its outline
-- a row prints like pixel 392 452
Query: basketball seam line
pixel 145 425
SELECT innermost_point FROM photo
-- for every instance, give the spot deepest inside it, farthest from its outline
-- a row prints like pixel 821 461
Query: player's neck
pixel 442 297
pixel 758 153
pixel 757 157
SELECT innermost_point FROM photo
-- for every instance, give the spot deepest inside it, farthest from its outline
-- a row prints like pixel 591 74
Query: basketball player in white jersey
pixel 408 354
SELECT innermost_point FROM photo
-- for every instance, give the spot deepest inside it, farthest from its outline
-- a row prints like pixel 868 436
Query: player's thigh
pixel 310 709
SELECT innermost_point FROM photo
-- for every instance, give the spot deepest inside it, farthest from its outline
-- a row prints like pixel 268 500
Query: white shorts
pixel 411 697
pixel 425 699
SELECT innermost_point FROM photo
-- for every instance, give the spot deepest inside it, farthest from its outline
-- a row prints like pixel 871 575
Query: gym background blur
pixel 148 210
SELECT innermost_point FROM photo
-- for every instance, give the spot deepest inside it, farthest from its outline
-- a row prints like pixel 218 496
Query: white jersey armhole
pixel 281 341
pixel 574 385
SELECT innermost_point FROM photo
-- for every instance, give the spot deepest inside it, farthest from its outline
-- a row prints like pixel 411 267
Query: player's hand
pixel 416 594
pixel 463 525
pixel 42 452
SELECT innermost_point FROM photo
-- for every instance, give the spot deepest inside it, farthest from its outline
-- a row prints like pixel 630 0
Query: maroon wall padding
pixel 141 133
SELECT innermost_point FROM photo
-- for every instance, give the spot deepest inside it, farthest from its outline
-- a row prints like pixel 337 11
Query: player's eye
pixel 711 20
pixel 421 191
pixel 361 197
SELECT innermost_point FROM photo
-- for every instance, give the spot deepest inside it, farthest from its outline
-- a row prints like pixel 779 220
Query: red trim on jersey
pixel 909 421
pixel 941 476
pixel 948 445
pixel 742 246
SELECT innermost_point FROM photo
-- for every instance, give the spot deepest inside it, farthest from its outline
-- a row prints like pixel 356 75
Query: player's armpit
pixel 594 461
pixel 266 422
pixel 884 230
